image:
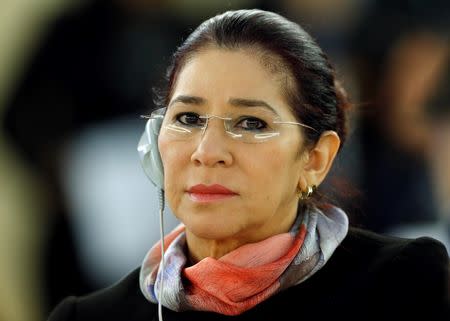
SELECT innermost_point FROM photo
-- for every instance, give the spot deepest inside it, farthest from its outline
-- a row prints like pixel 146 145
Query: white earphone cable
pixel 161 266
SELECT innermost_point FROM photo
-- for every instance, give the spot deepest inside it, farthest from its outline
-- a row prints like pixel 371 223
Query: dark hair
pixel 313 93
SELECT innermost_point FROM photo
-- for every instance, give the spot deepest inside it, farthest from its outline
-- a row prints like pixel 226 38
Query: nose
pixel 213 148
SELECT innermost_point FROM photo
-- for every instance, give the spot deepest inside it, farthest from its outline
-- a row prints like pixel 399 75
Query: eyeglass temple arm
pixel 294 123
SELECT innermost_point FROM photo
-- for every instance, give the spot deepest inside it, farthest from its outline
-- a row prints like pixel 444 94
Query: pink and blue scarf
pixel 248 275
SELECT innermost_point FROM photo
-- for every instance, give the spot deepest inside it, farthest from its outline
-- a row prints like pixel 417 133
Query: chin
pixel 213 221
pixel 211 230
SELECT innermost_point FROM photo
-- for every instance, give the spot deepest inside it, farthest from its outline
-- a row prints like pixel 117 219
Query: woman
pixel 250 124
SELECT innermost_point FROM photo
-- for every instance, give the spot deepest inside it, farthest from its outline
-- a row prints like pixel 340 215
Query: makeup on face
pixel 209 193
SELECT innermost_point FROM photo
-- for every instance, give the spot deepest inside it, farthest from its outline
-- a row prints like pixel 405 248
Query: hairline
pixel 279 67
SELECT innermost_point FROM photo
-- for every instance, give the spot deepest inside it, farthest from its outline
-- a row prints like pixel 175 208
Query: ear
pixel 321 157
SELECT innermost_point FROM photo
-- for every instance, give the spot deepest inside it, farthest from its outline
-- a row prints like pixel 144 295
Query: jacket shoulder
pixel 403 274
pixel 121 301
pixel 64 310
pixel 390 247
pixel 424 256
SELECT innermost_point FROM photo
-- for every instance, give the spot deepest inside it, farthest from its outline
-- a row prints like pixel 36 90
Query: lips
pixel 210 193
pixel 210 189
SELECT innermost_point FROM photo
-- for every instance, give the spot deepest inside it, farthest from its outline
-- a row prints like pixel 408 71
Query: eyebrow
pixel 237 102
pixel 188 100
pixel 242 102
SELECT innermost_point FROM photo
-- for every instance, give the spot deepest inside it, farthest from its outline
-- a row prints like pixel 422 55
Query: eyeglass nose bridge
pixel 225 120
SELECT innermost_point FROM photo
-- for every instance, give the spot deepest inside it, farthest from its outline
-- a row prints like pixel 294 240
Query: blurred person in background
pixel 401 53
pixel 22 198
pixel 248 124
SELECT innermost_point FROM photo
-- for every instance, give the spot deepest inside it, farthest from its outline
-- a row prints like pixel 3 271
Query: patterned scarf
pixel 249 274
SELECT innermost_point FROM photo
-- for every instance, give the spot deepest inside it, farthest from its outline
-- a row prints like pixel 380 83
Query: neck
pixel 200 248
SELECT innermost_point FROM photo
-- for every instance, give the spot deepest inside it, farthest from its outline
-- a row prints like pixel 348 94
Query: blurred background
pixel 76 210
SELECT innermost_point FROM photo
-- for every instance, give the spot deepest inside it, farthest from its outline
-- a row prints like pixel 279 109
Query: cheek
pixel 173 154
pixel 285 168
pixel 163 147
pixel 277 160
pixel 274 174
pixel 174 161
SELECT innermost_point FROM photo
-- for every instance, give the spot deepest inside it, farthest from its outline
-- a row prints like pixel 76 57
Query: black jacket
pixel 369 277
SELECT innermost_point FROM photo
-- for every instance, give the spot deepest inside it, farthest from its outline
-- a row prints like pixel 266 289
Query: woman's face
pixel 263 176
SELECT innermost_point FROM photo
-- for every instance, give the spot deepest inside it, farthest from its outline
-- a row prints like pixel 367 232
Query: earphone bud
pixel 149 152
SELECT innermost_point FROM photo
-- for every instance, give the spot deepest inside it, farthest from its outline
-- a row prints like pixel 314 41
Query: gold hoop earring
pixel 304 195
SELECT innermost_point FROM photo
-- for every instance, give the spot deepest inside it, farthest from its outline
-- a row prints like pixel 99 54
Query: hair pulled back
pixel 314 94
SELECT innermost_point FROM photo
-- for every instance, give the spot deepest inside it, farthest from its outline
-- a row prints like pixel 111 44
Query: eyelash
pixel 261 126
pixel 180 115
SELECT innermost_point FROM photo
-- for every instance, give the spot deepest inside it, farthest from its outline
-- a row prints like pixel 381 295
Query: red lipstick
pixel 209 193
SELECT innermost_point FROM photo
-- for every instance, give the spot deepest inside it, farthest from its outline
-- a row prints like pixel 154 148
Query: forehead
pixel 218 75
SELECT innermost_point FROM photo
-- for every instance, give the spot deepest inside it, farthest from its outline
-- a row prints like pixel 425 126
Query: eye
pixel 190 119
pixel 252 123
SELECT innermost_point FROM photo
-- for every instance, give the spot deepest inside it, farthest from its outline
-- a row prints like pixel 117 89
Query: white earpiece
pixel 149 152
